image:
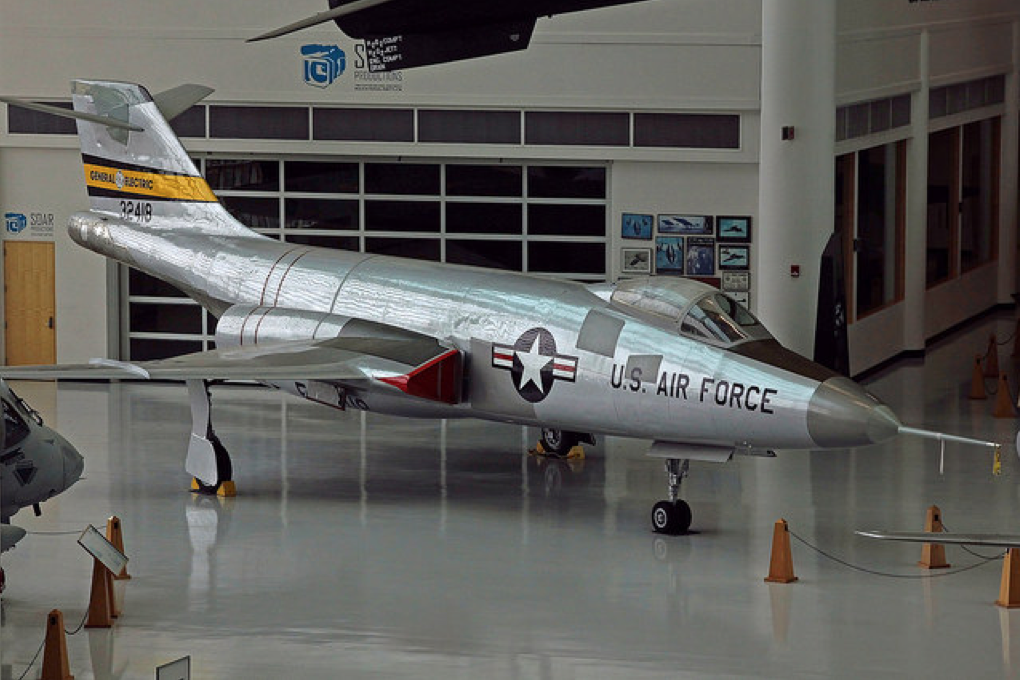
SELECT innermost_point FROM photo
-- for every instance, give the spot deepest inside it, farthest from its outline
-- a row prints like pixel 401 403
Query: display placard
pixel 175 670
pixel 96 545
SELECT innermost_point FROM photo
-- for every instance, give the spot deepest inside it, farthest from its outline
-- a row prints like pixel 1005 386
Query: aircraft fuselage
pixel 538 351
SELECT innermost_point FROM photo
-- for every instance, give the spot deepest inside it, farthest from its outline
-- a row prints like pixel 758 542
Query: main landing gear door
pixel 326 393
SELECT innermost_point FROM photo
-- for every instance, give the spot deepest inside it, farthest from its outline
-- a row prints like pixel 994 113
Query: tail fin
pixel 141 176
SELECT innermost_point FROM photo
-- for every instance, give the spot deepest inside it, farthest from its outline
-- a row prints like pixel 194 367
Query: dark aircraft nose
pixel 842 413
pixel 74 464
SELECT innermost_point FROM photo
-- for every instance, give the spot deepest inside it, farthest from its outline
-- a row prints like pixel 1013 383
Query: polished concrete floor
pixel 362 546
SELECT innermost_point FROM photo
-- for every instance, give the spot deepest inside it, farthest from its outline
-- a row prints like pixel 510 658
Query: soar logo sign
pixel 323 64
pixel 15 223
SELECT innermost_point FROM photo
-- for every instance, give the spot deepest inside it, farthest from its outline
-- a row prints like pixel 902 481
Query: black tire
pixel 671 518
pixel 664 518
pixel 559 442
pixel 683 517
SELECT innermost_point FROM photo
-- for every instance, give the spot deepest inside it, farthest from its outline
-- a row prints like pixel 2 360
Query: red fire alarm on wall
pixel 795 271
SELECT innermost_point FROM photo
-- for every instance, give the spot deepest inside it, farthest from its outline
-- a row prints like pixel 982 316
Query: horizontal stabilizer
pixel 171 103
pixel 68 113
pixel 177 100
pixel 993 540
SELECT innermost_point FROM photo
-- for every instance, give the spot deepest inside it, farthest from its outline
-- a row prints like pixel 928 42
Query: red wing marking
pixel 436 380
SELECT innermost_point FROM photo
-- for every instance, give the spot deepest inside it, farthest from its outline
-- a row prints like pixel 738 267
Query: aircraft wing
pixel 418 366
pixel 996 540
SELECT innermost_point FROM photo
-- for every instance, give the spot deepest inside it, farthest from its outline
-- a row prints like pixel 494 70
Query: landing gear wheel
pixel 558 442
pixel 671 518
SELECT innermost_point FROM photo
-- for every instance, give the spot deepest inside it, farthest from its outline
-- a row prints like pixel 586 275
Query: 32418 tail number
pixel 136 211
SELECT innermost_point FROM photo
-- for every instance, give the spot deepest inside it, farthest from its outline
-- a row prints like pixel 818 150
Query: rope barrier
pixel 80 625
pixel 34 659
pixel 885 574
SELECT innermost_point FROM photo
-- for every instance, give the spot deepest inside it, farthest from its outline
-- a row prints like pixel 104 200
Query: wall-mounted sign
pixel 324 66
pixel 29 225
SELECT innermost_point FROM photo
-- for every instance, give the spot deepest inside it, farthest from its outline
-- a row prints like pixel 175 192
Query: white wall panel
pixel 971 51
pixel 875 67
pixel 876 337
pixel 49 181
pixel 868 15
pixel 959 299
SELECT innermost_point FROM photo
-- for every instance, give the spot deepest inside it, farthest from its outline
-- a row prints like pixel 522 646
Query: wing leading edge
pixel 419 366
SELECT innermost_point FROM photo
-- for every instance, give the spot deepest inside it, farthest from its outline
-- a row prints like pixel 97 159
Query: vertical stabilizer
pixel 144 175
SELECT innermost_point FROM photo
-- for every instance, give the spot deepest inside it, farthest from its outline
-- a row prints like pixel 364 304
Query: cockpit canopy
pixel 698 310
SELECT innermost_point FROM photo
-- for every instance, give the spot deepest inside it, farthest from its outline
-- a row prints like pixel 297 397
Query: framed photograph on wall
pixel 733 229
pixel 636 226
pixel 697 225
pixel 736 281
pixel 669 255
pixel 636 261
pixel 734 257
pixel 700 256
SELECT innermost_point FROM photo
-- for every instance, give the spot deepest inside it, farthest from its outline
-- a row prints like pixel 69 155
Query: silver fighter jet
pixel 665 359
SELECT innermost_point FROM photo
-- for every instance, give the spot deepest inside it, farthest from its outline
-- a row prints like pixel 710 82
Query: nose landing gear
pixel 673 517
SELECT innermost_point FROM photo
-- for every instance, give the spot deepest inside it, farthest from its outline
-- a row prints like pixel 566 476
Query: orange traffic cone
pixel 55 665
pixel 101 604
pixel 933 555
pixel 1003 400
pixel 1009 589
pixel 781 563
pixel 992 358
pixel 115 536
pixel 977 381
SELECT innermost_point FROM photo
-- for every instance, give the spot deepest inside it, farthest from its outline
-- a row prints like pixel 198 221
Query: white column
pixel 1008 283
pixel 916 245
pixel 796 177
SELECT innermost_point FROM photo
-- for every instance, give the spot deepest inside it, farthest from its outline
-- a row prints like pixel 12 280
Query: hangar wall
pixel 922 50
pixel 677 57
pixel 617 61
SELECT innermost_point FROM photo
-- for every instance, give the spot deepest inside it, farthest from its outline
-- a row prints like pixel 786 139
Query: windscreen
pixel 15 428
pixel 721 319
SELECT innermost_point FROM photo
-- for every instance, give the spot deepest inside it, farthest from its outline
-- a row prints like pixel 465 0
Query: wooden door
pixel 30 335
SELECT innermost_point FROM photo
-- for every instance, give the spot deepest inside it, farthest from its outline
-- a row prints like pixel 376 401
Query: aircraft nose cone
pixel 74 464
pixel 842 413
